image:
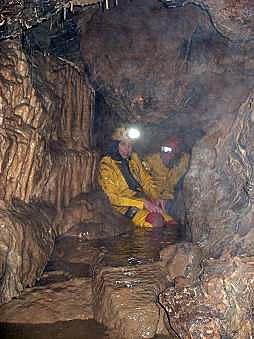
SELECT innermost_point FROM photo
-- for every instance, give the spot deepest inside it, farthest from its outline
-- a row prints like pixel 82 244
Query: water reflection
pixel 78 257
pixel 139 247
pixel 75 329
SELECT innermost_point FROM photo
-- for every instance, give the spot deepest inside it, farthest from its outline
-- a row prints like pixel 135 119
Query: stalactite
pixel 28 170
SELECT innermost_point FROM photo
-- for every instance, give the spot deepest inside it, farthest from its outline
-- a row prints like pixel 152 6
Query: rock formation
pixel 174 67
pixel 27 239
pixel 233 19
pixel 45 157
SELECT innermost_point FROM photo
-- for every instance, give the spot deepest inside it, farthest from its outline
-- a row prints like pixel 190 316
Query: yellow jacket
pixel 114 185
pixel 165 179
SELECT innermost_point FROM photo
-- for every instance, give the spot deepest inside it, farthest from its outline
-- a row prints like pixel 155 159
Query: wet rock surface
pixel 233 19
pixel 126 300
pixel 36 179
pixel 167 69
pixel 26 242
pixel 90 216
pixel 44 153
pixel 115 281
pixel 175 71
pixel 219 305
pixel 182 261
pixel 63 301
pixel 74 329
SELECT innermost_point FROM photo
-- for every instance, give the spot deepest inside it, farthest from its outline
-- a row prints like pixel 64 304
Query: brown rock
pixel 26 240
pixel 218 305
pixel 126 300
pixel 62 301
pixel 218 188
pixel 182 261
pixel 234 19
pixel 90 216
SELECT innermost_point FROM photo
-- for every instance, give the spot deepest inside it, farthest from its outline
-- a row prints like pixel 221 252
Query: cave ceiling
pixel 232 18
pixel 17 16
pixel 169 67
pixel 159 63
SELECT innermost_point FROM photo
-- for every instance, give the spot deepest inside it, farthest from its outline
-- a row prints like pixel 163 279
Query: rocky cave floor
pixel 89 280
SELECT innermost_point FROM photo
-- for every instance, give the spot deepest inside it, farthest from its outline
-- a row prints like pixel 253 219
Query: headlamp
pixel 133 133
pixel 166 149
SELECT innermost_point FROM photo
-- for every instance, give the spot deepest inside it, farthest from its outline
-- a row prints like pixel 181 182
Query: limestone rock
pixel 233 19
pixel 61 301
pixel 44 154
pixel 166 69
pixel 182 260
pixel 218 306
pixel 90 216
pixel 219 186
pixel 26 241
pixel 126 300
pixel 32 170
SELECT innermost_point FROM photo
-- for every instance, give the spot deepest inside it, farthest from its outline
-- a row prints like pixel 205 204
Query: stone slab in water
pixel 62 301
pixel 126 300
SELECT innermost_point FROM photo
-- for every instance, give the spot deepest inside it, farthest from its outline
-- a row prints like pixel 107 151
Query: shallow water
pixel 137 248
pixel 75 329
pixel 142 246
pixel 70 260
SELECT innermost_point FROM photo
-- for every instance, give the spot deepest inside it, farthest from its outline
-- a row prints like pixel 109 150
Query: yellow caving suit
pixel 165 179
pixel 120 195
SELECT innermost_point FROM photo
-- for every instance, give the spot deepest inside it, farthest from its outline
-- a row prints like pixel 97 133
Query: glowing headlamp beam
pixel 166 149
pixel 133 133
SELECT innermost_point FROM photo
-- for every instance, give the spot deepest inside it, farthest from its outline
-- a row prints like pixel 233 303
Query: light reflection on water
pixel 139 247
pixel 142 246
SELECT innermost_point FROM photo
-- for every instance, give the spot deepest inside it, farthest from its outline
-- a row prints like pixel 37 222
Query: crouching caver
pixel 128 185
pixel 167 168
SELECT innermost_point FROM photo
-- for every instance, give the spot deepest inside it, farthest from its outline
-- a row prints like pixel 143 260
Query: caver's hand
pixel 152 207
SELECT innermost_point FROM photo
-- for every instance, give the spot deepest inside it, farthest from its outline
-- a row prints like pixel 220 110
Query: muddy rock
pixel 26 241
pixel 218 305
pixel 182 260
pixel 63 301
pixel 90 216
pixel 126 300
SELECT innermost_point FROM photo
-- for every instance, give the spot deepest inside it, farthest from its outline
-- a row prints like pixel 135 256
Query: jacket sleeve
pixel 176 173
pixel 113 190
pixel 146 179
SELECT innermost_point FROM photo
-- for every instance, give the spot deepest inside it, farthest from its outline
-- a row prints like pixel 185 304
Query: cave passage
pixel 73 262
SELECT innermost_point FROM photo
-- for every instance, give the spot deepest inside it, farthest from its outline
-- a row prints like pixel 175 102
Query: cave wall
pixel 219 186
pixel 232 18
pixel 171 71
pixel 218 306
pixel 22 125
pixel 46 115
pixel 26 241
pixel 45 129
pixel 71 167
pixel 166 69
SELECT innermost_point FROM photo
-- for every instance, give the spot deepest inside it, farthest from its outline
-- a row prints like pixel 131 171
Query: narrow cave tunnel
pixel 71 74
